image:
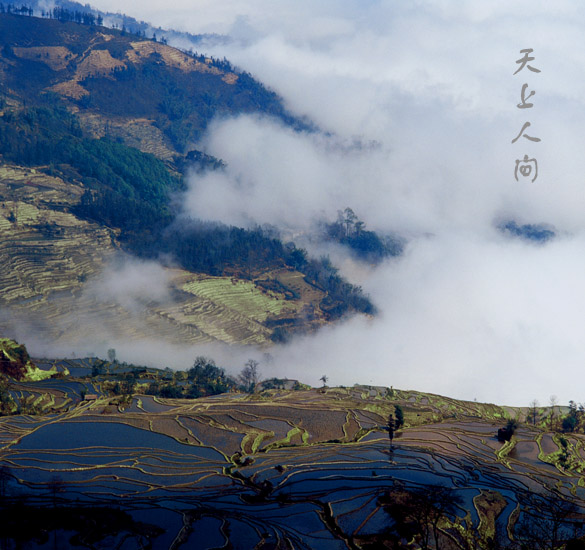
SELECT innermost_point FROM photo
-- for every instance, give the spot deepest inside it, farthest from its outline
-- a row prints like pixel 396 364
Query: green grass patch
pixel 241 296
pixel 503 452
pixel 286 441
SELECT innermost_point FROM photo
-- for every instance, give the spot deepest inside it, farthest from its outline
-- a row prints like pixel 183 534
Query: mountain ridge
pixel 107 188
pixel 88 66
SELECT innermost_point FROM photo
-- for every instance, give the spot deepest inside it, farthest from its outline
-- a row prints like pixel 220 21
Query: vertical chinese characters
pixel 526 167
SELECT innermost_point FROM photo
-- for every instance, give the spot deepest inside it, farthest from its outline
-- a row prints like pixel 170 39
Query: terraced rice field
pixel 49 260
pixel 301 470
pixel 240 295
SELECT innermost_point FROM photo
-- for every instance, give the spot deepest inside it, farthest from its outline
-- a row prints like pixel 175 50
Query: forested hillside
pixel 111 73
pixel 109 114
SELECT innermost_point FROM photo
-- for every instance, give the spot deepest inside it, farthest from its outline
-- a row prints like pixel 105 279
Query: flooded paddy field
pixel 291 470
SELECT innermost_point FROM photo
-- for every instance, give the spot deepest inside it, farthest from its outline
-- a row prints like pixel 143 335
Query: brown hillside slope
pixel 53 263
pixel 114 79
pixel 51 277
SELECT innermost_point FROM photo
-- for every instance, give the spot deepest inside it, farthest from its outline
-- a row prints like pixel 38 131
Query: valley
pixel 104 135
pixel 87 184
pixel 50 259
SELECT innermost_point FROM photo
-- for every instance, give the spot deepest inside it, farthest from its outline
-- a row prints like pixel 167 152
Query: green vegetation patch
pixel 242 296
pixel 16 363
pixel 51 135
pixel 365 245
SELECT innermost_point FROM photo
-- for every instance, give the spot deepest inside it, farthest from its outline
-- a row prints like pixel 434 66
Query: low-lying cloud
pixel 134 284
pixel 496 321
pixel 418 106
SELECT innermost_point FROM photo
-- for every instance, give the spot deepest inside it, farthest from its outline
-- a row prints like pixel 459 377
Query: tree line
pixel 203 379
pixel 366 245
pixel 59 13
pixel 130 190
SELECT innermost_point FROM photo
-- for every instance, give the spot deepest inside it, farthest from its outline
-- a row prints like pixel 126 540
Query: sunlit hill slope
pixel 93 132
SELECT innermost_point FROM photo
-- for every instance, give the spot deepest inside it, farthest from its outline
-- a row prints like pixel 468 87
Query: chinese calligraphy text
pixel 526 167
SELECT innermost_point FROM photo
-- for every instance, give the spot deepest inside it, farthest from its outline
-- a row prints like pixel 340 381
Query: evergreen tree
pixel 399 416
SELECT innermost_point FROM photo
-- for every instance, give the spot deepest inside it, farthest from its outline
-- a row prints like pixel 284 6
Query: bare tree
pixel 250 376
pixel 553 399
pixel 418 513
pixel 533 406
pixel 548 522
pixel 349 220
